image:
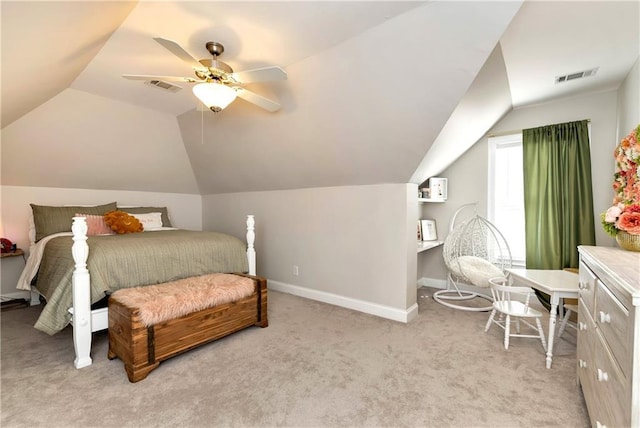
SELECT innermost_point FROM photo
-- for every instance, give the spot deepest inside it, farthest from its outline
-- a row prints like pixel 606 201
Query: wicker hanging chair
pixel 474 252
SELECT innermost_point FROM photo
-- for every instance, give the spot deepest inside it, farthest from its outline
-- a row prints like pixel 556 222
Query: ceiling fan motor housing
pixel 217 69
pixel 214 65
pixel 215 48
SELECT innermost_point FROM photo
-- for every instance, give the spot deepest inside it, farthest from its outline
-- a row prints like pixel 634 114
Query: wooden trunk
pixel 142 348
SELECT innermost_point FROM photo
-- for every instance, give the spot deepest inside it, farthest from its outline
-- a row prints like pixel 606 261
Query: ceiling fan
pixel 217 84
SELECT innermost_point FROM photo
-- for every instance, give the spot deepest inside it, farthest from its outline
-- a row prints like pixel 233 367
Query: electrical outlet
pixel 296 271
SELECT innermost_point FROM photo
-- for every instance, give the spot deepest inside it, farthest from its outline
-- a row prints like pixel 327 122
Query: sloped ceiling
pixel 544 40
pixel 371 86
pixel 362 112
pixel 487 101
pixel 46 45
pixel 254 34
pixel 550 39
pixel 83 141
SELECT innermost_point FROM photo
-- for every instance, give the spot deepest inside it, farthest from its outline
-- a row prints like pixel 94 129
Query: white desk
pixel 558 284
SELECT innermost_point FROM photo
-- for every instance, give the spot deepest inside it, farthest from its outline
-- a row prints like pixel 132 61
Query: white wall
pixel 185 211
pixel 466 184
pixel 354 245
pixel 468 176
pixel 629 102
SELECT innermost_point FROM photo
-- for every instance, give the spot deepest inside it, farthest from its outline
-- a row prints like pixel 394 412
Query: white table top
pixel 549 281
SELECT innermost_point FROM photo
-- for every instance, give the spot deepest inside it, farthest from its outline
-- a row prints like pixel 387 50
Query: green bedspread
pixel 121 261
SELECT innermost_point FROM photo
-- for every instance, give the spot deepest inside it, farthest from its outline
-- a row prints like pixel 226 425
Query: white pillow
pixel 32 230
pixel 478 270
pixel 150 221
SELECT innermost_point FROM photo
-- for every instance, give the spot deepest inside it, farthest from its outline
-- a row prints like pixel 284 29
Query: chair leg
pixel 518 325
pixel 486 327
pixel 507 327
pixel 565 319
pixel 541 332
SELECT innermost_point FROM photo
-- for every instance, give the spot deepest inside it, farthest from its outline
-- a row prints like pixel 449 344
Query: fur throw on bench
pixel 170 300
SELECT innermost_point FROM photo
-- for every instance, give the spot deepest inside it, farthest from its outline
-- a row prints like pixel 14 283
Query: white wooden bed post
pixel 251 238
pixel 81 314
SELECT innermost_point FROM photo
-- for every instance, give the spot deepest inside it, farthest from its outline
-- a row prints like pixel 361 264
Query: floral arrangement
pixel 625 213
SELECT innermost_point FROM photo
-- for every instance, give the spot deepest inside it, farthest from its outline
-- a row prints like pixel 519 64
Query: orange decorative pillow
pixel 121 222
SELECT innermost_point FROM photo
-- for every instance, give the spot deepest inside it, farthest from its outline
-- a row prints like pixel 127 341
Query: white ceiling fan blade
pixel 258 100
pixel 266 74
pixel 165 78
pixel 178 51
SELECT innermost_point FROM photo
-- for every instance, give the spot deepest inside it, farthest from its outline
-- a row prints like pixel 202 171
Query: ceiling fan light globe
pixel 214 95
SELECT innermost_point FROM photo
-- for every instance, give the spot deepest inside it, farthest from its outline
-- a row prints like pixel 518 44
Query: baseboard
pixel 432 282
pixel 376 309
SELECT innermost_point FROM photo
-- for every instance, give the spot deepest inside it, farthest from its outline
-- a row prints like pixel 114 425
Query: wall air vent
pixel 165 86
pixel 577 75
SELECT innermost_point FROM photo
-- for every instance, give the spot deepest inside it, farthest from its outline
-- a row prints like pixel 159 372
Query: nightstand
pixel 13 275
pixel 14 253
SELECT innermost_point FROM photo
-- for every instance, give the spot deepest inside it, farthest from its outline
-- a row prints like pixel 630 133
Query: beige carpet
pixel 316 365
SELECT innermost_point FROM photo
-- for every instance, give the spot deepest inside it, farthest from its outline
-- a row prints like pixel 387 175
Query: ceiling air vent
pixel 577 75
pixel 160 84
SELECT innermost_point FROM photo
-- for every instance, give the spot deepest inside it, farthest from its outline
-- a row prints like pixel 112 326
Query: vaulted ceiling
pixel 376 91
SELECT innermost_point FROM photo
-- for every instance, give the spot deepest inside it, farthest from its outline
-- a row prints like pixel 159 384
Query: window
pixel 505 192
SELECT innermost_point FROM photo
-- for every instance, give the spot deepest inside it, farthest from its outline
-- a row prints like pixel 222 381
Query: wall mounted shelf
pixel 427 245
pixel 422 200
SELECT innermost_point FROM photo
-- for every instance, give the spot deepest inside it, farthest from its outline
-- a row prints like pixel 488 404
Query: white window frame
pixel 501 141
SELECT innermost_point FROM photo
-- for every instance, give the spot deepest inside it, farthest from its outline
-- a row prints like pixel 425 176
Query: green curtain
pixel 558 200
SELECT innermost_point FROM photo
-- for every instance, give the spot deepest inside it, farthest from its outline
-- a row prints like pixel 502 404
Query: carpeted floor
pixel 316 365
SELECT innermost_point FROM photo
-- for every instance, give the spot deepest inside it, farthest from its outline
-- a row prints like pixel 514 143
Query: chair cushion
pixel 477 270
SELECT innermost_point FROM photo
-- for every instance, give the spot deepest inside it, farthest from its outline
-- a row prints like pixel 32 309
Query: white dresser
pixel 608 353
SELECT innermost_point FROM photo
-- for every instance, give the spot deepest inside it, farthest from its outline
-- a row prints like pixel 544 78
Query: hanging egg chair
pixel 474 252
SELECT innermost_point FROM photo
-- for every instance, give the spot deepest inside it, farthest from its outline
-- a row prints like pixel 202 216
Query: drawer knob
pixel 582 364
pixel 582 285
pixel 582 325
pixel 602 376
pixel 605 317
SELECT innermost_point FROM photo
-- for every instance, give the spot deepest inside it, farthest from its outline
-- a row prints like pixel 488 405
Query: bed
pixel 74 270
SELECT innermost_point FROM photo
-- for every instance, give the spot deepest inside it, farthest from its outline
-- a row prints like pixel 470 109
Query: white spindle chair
pixel 511 304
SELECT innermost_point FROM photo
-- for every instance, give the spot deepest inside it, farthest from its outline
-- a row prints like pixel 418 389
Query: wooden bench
pixel 142 347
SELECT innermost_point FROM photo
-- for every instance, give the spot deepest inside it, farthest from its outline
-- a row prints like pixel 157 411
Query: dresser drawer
pixel 613 390
pixel 612 318
pixel 605 389
pixel 587 285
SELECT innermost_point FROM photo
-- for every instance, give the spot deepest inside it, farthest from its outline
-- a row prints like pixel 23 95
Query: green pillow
pixel 50 220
